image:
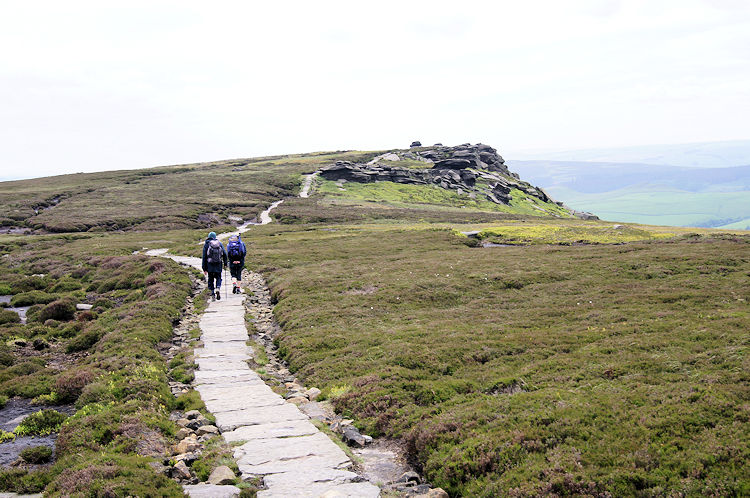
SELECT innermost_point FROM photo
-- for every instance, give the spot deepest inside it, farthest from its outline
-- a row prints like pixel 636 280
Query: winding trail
pixel 279 443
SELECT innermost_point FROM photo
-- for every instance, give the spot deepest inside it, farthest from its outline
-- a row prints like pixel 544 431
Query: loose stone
pixel 207 429
pixel 222 475
pixel 181 471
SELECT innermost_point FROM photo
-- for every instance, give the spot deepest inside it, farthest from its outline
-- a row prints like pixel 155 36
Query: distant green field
pixel 640 204
pixel 738 225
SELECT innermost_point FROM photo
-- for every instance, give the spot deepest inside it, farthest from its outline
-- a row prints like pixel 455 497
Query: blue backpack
pixel 234 249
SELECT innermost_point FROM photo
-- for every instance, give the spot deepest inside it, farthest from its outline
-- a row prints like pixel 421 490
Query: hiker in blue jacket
pixel 237 251
pixel 214 261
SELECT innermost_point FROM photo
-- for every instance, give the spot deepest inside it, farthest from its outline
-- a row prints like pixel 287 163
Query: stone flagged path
pixel 281 445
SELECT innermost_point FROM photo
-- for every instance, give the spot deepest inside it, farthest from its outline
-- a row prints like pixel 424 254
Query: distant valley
pixel 615 189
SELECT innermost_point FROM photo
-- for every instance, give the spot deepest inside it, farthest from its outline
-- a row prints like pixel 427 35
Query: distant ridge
pixel 693 155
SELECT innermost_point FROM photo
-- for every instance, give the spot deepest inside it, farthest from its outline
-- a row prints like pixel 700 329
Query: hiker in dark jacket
pixel 236 251
pixel 214 261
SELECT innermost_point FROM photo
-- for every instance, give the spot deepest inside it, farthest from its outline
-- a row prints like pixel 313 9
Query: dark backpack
pixel 234 249
pixel 214 253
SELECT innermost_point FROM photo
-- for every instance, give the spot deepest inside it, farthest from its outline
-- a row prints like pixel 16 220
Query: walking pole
pixel 225 284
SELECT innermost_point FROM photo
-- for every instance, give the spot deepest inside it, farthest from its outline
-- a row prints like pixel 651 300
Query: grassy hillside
pixel 171 197
pixel 577 358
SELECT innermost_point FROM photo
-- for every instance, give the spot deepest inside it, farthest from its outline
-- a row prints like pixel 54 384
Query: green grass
pixel 405 195
pixel 527 370
pixel 569 233
pixel 40 423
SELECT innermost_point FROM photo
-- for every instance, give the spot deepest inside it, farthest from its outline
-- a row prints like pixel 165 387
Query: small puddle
pixel 21 310
pixel 492 244
pixel 11 415
pixel 382 462
pixel 15 230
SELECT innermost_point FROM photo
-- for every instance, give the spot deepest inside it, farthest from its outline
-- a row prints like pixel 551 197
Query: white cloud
pixel 102 85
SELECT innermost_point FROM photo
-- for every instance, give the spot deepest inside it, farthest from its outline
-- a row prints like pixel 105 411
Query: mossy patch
pixel 539 233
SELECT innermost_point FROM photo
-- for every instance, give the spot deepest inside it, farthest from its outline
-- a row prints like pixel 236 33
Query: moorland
pixel 543 355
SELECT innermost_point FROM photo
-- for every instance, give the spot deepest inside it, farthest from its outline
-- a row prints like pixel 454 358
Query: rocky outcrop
pixel 472 170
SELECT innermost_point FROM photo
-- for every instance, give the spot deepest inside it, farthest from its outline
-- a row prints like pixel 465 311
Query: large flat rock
pixel 335 482
pixel 226 377
pixel 310 463
pixel 290 428
pixel 346 490
pixel 299 449
pixel 225 347
pixel 228 421
pixel 211 491
pixel 222 405
pixel 241 391
pixel 220 364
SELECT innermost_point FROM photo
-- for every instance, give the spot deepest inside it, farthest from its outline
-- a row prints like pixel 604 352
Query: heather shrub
pixel 86 316
pixel 85 340
pixel 26 284
pixel 65 285
pixel 62 309
pixel 6 359
pixel 32 297
pixel 39 344
pixel 110 474
pixel 23 481
pixel 37 454
pixel 40 423
pixel 70 384
pixel 7 316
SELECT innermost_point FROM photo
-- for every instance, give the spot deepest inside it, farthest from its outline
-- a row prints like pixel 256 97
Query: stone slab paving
pixel 280 443
pixel 211 491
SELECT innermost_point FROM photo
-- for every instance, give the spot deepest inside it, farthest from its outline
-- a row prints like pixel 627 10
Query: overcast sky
pixel 89 86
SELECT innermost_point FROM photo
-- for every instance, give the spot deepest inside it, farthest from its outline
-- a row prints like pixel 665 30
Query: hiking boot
pixel 218 296
pixel 213 297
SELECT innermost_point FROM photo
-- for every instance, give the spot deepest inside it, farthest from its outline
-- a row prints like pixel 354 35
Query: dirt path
pixel 305 192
